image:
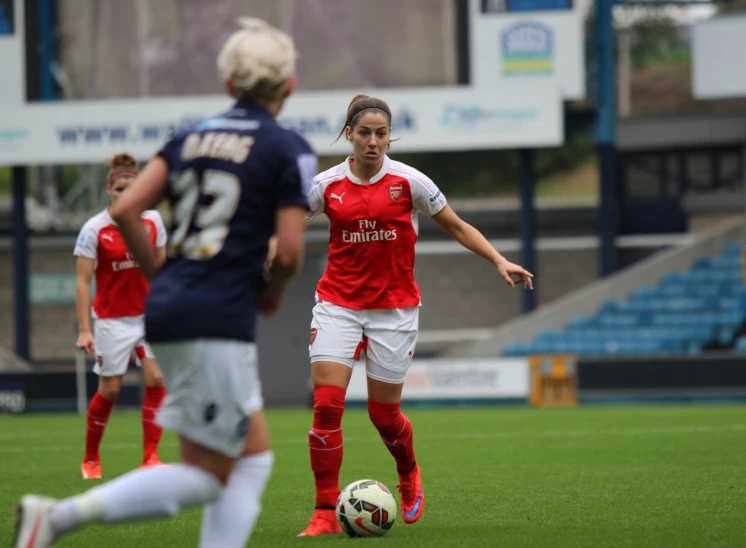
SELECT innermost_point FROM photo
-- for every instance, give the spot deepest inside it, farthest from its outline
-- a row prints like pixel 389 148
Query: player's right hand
pixel 85 342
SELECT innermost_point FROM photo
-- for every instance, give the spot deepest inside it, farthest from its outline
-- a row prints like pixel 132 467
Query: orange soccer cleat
pixel 152 460
pixel 323 522
pixel 91 469
pixel 412 495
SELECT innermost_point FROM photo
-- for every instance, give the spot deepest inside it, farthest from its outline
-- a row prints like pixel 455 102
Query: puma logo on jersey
pixel 338 197
pixel 322 439
pixel 107 237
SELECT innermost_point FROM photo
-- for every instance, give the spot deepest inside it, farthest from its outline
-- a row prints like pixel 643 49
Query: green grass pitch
pixel 629 476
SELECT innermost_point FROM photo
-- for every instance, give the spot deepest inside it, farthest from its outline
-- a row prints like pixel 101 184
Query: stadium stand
pixel 679 301
pixel 687 312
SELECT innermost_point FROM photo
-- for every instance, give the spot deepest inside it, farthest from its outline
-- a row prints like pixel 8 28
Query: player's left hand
pixel 508 270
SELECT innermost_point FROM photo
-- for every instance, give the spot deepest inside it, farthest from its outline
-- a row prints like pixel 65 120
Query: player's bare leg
pixel 330 381
pixel 99 411
pixel 230 521
pixel 155 392
pixel 384 409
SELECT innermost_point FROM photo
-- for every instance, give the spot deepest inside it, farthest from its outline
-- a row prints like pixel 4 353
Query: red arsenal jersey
pixel 121 288
pixel 373 231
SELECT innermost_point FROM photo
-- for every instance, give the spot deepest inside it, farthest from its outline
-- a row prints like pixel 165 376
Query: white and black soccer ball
pixel 366 508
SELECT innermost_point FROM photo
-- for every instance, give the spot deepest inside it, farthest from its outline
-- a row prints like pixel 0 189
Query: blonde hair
pixel 259 60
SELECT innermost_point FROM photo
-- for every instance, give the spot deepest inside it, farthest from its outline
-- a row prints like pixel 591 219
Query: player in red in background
pixel 118 307
pixel 367 300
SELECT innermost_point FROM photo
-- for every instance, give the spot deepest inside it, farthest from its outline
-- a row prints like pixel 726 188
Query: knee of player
pixel 383 413
pixel 329 398
pixel 328 407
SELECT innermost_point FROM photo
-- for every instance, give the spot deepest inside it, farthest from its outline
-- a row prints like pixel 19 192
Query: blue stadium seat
pixel 684 313
pixel 733 249
pixel 741 344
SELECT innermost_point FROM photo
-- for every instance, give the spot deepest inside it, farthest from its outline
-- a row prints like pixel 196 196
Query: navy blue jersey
pixel 228 177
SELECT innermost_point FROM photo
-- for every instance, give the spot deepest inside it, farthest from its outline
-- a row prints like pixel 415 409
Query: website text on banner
pixel 426 119
pixel 472 379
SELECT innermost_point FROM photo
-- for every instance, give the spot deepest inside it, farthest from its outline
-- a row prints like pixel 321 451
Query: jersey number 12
pixel 210 221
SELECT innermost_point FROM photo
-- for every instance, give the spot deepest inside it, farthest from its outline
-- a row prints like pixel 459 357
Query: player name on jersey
pixel 230 147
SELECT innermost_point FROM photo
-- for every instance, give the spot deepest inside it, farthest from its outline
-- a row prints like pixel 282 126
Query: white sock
pixel 228 523
pixel 142 494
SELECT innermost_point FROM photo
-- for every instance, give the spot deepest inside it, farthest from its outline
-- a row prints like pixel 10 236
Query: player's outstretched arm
pixel 474 241
pixel 147 190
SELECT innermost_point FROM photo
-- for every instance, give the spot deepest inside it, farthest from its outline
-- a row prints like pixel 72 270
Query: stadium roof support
pixel 39 25
pixel 528 222
pixel 20 263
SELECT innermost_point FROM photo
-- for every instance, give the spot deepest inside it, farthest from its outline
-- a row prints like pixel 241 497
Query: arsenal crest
pixel 313 335
pixel 395 191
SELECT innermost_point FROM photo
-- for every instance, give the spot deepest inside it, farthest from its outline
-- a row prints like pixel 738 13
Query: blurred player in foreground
pixel 119 308
pixel 233 180
pixel 368 301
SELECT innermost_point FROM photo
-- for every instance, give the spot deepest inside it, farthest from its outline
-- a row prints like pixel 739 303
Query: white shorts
pixel 386 337
pixel 212 388
pixel 115 339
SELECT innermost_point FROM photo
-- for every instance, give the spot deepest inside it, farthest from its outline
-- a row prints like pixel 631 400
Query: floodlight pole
pixel 605 132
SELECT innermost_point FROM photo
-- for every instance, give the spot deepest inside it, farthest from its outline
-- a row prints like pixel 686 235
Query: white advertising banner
pixel 424 119
pixel 718 62
pixel 537 47
pixel 12 54
pixel 466 379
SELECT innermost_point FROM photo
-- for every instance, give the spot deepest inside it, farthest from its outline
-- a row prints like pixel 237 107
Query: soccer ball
pixel 366 508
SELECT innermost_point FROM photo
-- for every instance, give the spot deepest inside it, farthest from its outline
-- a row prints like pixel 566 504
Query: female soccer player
pixel 118 307
pixel 367 299
pixel 233 180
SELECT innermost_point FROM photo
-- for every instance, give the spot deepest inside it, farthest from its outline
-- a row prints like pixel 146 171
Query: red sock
pixel 151 432
pixel 99 411
pixel 396 432
pixel 325 442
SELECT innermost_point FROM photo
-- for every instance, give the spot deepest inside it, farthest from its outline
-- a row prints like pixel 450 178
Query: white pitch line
pixel 301 440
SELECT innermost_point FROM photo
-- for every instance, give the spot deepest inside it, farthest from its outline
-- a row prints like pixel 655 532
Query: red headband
pixel 114 176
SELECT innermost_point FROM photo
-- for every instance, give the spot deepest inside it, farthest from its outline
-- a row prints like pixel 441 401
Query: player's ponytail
pixel 358 105
pixel 121 165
